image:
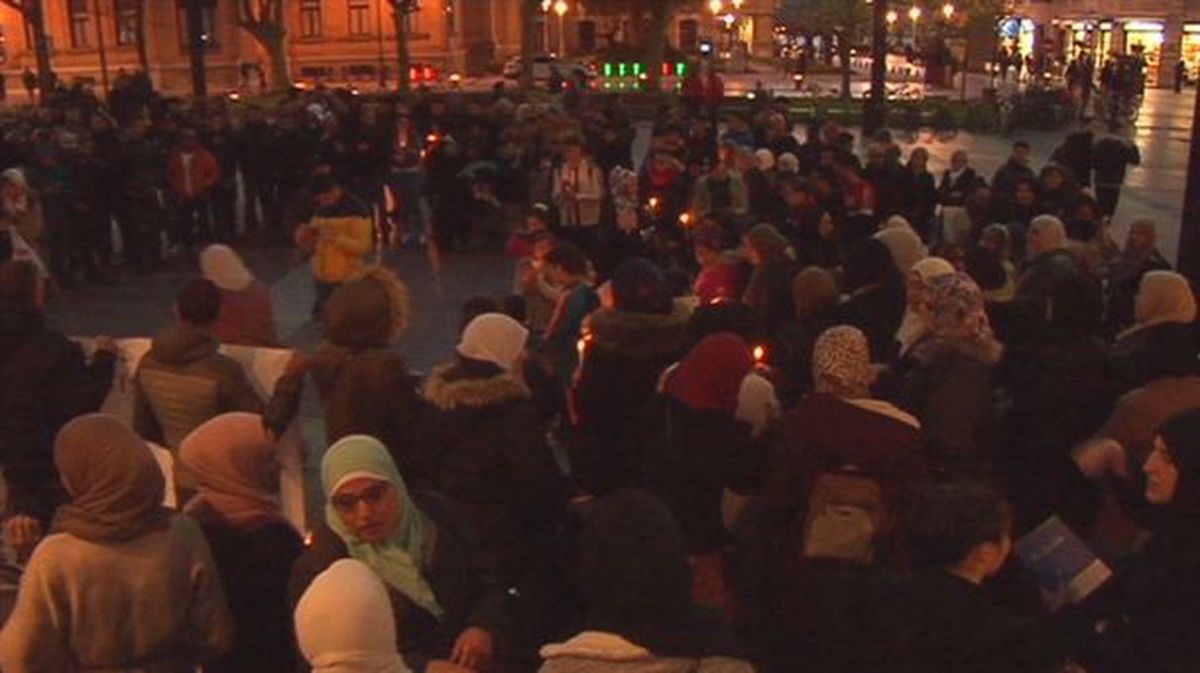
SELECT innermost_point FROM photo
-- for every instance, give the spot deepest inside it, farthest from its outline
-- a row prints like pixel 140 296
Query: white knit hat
pixel 220 264
pixel 494 338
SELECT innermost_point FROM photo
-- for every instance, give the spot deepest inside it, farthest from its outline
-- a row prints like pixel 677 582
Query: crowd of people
pixel 752 402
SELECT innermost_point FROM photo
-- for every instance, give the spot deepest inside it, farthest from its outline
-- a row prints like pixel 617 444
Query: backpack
pixel 846 513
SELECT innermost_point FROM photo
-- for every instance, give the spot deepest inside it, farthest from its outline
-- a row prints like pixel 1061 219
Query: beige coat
pixel 150 605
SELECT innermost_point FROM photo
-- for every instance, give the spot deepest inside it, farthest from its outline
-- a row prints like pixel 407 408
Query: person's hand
pixel 105 344
pixel 443 666
pixel 1098 458
pixel 473 649
pixel 22 533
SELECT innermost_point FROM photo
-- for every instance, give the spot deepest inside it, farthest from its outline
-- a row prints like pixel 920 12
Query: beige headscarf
pixel 345 624
pixel 222 265
pixel 494 338
pixel 842 363
pixel 1163 297
pixel 115 484
pixel 235 468
pixel 916 323
pixel 905 247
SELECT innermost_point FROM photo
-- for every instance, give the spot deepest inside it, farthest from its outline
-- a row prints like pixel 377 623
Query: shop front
pixel 1190 50
pixel 1145 38
pixel 1019 33
pixel 1087 38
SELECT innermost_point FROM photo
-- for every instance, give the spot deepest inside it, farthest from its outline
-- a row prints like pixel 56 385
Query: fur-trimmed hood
pixel 640 334
pixel 447 392
pixel 369 311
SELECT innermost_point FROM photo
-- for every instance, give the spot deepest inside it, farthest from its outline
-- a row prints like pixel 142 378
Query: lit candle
pixel 685 219
pixel 760 354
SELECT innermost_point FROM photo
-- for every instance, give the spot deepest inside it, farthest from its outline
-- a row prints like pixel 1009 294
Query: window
pixel 127 22
pixel 208 25
pixel 689 35
pixel 310 18
pixel 80 18
pixel 360 17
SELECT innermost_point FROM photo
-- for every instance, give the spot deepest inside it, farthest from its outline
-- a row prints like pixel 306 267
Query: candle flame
pixel 760 354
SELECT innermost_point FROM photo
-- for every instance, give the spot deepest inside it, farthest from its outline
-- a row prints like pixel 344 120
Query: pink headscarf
pixel 234 465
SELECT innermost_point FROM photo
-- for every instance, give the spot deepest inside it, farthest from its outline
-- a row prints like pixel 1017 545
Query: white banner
pixel 264 367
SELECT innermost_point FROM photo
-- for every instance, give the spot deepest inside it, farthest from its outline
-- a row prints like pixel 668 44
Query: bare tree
pixel 265 21
pixel 529 13
pixel 31 12
pixel 843 18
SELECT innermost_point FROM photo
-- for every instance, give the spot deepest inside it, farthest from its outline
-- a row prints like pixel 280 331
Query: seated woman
pixel 447 605
pixel 1165 316
pixel 1147 619
pixel 234 467
pixel 344 623
pixel 119 584
pixel 247 312
pixel 635 587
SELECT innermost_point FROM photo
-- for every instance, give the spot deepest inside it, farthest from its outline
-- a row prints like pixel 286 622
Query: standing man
pixel 578 187
pixel 1004 182
pixel 30 81
pixel 1180 75
pixel 1114 154
pixel 193 173
pixel 339 237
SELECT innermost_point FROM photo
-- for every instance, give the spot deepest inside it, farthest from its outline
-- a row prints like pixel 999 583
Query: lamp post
pixel 948 11
pixel 546 4
pixel 915 14
pixel 560 8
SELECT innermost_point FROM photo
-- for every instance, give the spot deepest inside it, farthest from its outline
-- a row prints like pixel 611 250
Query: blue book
pixel 1067 570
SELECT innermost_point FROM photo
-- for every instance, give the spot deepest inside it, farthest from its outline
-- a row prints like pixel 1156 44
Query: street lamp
pixel 892 17
pixel 948 11
pixel 915 14
pixel 737 4
pixel 546 24
pixel 714 6
pixel 560 8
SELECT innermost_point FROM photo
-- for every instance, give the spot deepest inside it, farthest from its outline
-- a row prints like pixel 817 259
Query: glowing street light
pixel 728 19
pixel 915 14
pixel 892 17
pixel 948 11
pixel 560 8
pixel 737 4
pixel 714 6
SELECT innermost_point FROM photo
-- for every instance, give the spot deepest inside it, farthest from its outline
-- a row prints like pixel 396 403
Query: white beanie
pixel 764 159
pixel 494 338
pixel 221 265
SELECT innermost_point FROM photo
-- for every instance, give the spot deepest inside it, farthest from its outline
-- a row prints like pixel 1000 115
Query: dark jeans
pixel 1106 198
pixel 139 220
pixel 224 203
pixel 190 222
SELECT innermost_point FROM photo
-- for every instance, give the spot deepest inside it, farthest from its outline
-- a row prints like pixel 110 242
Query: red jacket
pixel 206 173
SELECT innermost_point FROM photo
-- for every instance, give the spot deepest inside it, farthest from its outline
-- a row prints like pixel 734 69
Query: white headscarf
pixel 494 338
pixel 221 265
pixel 788 163
pixel 1164 297
pixel 905 247
pixel 896 222
pixel 345 624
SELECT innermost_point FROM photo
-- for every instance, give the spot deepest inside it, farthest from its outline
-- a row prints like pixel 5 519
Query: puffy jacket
pixel 344 238
pixel 205 170
pixel 183 381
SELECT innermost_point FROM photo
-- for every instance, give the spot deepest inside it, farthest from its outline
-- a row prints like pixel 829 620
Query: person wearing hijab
pixel 47 382
pixel 247 315
pixel 236 473
pixel 839 424
pixel 364 385
pixel 1164 322
pixel 904 246
pixel 344 623
pixel 447 603
pixel 1145 618
pixel 721 274
pixel 769 292
pixel 636 589
pixel 945 379
pixel 1047 260
pixel 510 492
pixel 20 212
pixel 1139 257
pixel 694 448
pixel 815 294
pixel 916 322
pixel 119 584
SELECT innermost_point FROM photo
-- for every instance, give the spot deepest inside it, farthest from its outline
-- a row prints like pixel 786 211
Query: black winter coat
pixel 253 566
pixel 465 587
pixel 46 383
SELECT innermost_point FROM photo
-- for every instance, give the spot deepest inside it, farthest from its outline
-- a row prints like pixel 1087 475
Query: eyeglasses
pixel 372 496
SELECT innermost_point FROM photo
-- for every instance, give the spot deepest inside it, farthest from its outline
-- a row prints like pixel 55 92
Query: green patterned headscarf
pixel 397 561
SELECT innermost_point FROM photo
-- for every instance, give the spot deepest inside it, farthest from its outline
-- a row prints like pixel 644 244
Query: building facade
pixel 353 41
pixel 1164 31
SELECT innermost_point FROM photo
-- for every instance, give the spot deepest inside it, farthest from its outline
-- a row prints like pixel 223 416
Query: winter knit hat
pixel 494 338
pixel 220 264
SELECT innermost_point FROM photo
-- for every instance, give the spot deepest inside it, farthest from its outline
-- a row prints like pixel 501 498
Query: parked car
pixel 543 65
